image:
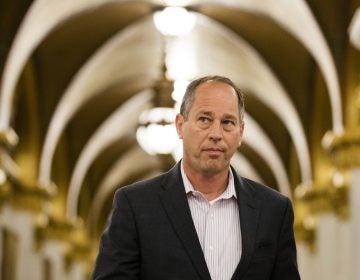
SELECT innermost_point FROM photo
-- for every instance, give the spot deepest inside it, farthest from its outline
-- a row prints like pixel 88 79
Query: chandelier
pixel 156 133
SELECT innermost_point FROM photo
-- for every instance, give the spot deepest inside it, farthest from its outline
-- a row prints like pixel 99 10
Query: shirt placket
pixel 211 244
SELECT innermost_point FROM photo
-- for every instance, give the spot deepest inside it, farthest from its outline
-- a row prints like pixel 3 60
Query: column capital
pixel 21 191
pixel 343 148
pixel 51 227
pixel 304 220
pixel 329 196
pixel 316 198
pixel 78 247
pixel 28 194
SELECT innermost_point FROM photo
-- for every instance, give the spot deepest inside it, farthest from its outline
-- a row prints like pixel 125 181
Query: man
pixel 201 220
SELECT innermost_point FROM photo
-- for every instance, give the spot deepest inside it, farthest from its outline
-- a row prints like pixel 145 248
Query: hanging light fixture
pixel 156 133
pixel 174 21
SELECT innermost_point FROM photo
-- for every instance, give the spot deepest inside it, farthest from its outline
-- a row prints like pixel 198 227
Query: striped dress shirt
pixel 217 224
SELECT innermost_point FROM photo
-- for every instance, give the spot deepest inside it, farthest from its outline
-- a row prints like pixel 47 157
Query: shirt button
pixel 211 247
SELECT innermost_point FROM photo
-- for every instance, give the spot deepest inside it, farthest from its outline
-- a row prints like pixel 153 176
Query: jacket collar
pixel 174 200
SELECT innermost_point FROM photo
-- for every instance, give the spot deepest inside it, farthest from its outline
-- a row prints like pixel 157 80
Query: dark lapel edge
pixel 249 216
pixel 174 200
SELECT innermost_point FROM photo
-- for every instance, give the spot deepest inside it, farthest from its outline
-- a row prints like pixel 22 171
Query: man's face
pixel 213 131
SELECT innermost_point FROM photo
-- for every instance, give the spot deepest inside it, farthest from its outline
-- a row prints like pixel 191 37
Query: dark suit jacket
pixel 151 235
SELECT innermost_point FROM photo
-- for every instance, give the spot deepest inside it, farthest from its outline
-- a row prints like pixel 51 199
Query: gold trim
pixel 332 197
pixel 305 231
pixel 20 191
pixel 49 227
pixel 8 138
pixel 82 251
pixel 311 200
pixel 29 195
pixel 79 248
pixel 305 221
pixel 343 148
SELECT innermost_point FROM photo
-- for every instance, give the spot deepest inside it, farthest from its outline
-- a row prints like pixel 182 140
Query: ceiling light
pixel 174 21
pixel 156 133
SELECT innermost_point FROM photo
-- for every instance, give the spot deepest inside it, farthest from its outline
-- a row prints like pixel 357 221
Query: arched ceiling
pixel 77 74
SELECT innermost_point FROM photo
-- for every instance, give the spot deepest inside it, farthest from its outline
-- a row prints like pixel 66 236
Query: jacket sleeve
pixel 286 263
pixel 119 254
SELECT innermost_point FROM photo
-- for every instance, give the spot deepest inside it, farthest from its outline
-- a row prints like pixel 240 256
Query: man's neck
pixel 210 185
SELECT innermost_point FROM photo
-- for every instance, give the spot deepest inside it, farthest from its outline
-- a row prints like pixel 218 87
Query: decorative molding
pixel 332 196
pixel 312 200
pixel 28 195
pixel 82 250
pixel 344 148
pixel 305 231
pixel 17 189
pixel 78 247
pixel 49 227
pixel 305 222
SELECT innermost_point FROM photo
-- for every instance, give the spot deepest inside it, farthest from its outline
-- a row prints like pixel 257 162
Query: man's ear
pixel 179 121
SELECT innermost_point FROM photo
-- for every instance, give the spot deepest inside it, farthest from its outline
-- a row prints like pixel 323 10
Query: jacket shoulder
pixel 143 185
pixel 263 191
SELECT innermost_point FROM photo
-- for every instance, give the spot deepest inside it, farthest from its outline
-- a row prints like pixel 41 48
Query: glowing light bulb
pixel 174 21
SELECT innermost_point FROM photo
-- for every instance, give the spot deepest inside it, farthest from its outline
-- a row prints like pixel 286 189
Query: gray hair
pixel 189 96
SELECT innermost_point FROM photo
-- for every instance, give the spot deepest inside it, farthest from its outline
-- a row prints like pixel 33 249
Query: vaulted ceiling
pixel 76 75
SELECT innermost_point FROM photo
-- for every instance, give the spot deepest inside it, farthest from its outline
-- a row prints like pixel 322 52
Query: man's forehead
pixel 226 114
pixel 214 83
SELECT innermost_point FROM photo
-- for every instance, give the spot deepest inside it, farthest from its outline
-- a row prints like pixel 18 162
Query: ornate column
pixel 344 150
pixel 324 214
pixel 321 213
pixel 29 204
pixel 77 248
pixel 15 188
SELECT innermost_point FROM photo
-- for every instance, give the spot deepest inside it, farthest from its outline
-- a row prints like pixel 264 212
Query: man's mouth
pixel 214 151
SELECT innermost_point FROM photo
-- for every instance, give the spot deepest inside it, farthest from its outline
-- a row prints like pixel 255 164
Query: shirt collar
pixel 228 193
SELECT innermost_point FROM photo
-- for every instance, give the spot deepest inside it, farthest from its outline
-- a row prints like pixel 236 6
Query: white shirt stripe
pixel 217 224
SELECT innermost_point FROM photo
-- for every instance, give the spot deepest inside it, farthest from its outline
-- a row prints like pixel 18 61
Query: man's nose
pixel 215 131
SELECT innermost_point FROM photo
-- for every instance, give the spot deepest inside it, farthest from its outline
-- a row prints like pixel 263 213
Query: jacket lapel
pixel 249 215
pixel 174 200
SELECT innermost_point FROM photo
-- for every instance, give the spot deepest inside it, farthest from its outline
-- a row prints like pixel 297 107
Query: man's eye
pixel 228 122
pixel 204 119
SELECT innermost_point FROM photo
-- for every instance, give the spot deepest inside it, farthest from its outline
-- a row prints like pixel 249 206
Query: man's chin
pixel 214 166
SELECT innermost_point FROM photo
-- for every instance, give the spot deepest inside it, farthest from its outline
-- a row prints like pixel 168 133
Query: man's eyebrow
pixel 208 113
pixel 225 116
pixel 230 116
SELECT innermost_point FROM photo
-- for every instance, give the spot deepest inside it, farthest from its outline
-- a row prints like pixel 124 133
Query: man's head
pixel 211 124
pixel 189 95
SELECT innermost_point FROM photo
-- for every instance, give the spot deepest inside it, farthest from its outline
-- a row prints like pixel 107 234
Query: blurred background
pixel 88 94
